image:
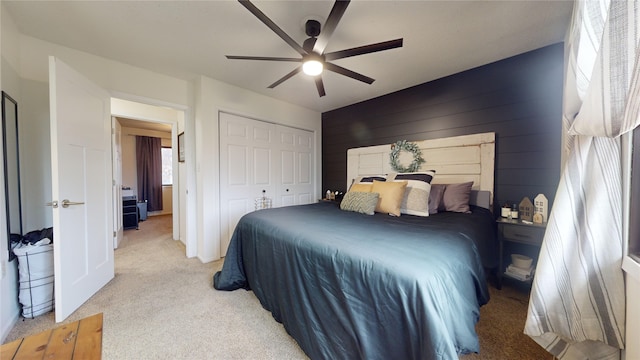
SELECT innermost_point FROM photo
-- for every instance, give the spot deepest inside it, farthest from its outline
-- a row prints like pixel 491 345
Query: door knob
pixel 66 203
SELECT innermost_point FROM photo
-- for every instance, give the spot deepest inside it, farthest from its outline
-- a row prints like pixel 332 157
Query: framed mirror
pixel 11 169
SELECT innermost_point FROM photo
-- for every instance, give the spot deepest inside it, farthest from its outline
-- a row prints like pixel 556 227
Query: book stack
pixel 520 273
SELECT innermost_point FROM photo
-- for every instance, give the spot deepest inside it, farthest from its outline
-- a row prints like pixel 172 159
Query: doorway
pixel 131 119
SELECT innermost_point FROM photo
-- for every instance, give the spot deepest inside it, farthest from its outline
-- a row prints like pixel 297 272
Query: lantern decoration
pixel 262 202
pixel 526 209
pixel 541 207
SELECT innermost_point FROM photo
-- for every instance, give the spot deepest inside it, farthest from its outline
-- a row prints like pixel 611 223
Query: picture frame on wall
pixel 181 147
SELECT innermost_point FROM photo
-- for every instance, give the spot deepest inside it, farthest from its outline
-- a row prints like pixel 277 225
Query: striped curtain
pixel 577 304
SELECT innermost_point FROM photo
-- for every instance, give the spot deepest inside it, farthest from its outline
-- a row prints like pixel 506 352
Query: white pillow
pixel 416 195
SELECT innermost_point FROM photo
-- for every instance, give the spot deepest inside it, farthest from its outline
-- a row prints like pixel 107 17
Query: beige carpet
pixel 161 305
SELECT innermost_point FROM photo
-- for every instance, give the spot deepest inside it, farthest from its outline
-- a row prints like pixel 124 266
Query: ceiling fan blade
pixel 346 72
pixel 338 9
pixel 366 49
pixel 320 86
pixel 286 77
pixel 268 58
pixel 271 25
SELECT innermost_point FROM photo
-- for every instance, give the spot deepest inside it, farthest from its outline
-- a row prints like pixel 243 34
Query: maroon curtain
pixel 149 164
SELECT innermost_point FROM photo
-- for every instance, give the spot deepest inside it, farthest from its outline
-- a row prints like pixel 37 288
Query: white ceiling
pixel 190 38
pixel 145 125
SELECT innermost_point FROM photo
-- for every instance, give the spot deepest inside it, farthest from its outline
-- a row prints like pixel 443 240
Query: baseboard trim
pixel 9 325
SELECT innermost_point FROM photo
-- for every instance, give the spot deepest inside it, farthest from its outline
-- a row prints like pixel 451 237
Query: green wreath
pixel 403 145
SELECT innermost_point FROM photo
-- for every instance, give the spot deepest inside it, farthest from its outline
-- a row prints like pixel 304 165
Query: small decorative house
pixel 526 209
pixel 541 206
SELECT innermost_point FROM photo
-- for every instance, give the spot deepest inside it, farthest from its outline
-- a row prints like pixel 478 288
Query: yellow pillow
pixel 361 187
pixel 391 195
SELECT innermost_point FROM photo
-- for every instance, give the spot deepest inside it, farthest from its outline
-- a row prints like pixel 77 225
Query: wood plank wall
pixel 519 98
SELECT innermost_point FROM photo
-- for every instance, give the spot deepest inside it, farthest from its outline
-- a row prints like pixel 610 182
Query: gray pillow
pixel 456 197
pixel 360 202
pixel 435 197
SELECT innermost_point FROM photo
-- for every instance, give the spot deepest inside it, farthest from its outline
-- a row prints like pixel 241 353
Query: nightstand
pixel 331 201
pixel 518 232
pixel 129 212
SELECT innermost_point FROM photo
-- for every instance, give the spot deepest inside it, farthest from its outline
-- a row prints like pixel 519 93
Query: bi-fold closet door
pixel 255 156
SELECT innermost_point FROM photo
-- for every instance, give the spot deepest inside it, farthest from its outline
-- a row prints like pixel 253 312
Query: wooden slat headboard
pixel 455 159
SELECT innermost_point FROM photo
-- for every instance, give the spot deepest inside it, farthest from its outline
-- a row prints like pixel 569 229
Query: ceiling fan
pixel 313 58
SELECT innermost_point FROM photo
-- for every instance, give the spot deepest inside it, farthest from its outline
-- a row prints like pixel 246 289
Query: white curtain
pixel 577 304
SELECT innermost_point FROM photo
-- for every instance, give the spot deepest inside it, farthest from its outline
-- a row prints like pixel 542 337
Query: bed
pixel 346 285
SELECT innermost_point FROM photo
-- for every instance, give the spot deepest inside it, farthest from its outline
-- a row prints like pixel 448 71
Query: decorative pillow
pixel 435 197
pixel 456 197
pixel 370 179
pixel 416 195
pixel 391 195
pixel 360 202
pixel 366 180
pixel 360 187
pixel 426 176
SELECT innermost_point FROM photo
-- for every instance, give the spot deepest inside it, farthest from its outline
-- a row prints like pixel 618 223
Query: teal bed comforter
pixel 352 286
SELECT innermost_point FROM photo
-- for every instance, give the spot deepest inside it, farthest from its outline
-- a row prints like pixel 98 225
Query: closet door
pixel 295 184
pixel 246 169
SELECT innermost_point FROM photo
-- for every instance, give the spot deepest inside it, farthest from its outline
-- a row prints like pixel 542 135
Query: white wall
pixel 128 160
pixel 121 80
pixel 167 201
pixel 10 83
pixel 35 150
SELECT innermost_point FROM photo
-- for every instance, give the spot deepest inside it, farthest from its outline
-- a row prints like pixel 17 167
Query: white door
pixel 82 176
pixel 246 169
pixel 295 184
pixel 255 156
pixel 117 181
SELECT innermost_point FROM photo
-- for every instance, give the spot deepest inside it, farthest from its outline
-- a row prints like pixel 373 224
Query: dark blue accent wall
pixel 519 98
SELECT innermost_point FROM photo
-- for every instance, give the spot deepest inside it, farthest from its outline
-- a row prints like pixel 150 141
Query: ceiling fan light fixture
pixel 313 48
pixel 312 67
